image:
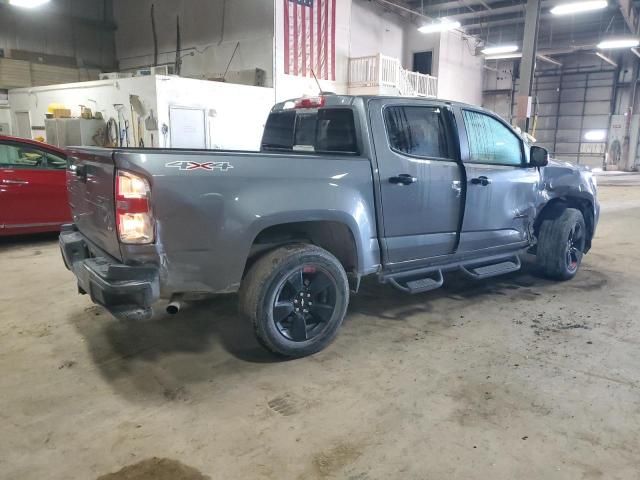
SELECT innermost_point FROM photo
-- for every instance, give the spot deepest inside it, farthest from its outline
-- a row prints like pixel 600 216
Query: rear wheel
pixel 561 244
pixel 296 297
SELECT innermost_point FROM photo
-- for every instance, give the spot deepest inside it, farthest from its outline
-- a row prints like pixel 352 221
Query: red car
pixel 33 191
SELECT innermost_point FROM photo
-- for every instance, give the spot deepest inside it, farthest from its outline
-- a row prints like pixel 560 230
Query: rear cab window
pixel 321 130
pixel 418 131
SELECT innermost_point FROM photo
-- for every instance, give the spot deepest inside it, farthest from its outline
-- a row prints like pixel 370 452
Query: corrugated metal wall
pixel 570 105
pixel 569 102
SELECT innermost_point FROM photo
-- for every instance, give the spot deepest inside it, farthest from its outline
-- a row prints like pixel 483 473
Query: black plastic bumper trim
pixel 126 291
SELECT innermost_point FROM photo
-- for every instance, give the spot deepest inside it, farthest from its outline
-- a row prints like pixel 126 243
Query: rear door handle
pixel 403 179
pixel 14 182
pixel 482 180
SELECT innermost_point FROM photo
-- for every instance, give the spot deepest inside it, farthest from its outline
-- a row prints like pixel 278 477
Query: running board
pixel 419 285
pixel 492 270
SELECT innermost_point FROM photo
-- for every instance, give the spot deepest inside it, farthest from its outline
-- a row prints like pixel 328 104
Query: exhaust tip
pixel 173 308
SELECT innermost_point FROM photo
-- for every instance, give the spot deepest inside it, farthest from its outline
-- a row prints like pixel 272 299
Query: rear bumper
pixel 128 292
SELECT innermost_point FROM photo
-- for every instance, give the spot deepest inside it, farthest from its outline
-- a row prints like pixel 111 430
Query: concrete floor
pixel 518 377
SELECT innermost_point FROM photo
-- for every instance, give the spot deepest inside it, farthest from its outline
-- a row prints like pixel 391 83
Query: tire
pixel 561 243
pixel 302 278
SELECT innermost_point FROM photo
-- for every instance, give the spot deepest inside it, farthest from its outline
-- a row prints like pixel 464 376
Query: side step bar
pixel 493 270
pixel 431 278
pixel 419 285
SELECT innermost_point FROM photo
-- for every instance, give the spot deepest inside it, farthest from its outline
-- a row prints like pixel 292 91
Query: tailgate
pixel 90 181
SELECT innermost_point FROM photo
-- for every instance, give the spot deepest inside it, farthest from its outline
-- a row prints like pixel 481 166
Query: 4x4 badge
pixel 188 165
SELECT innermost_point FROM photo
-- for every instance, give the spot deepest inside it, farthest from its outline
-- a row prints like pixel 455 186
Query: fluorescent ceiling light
pixel 501 49
pixel 503 56
pixel 595 135
pixel 579 7
pixel 619 43
pixel 443 25
pixel 28 3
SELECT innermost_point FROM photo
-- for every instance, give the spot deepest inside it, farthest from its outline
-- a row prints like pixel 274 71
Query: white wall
pixel 460 73
pixel 375 30
pixel 236 114
pixel 99 96
pixel 210 31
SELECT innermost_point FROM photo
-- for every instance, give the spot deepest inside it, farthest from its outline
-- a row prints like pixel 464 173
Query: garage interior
pixel 516 376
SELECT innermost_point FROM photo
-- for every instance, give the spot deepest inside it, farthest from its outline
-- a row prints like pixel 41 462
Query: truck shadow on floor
pixel 32 241
pixel 208 341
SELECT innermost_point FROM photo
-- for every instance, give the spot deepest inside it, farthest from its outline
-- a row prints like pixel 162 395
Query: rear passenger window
pixel 418 131
pixel 490 141
pixel 326 130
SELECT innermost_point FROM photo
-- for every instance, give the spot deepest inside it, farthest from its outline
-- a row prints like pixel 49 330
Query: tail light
pixel 133 209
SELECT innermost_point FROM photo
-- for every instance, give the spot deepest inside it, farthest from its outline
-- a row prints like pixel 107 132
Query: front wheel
pixel 561 244
pixel 296 297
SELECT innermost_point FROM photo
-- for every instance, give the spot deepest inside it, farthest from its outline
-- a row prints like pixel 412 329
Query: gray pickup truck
pixel 344 186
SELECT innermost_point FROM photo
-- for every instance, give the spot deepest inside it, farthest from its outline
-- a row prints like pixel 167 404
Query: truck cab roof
pixel 335 100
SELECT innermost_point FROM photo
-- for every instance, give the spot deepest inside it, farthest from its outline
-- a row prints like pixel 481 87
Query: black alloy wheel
pixel 575 247
pixel 305 303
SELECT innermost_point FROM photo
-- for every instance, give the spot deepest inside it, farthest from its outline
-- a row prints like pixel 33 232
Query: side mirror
pixel 538 157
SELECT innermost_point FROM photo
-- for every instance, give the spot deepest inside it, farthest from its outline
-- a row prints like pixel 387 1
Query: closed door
pixel 501 188
pixel 187 127
pixel 419 180
pixel 32 189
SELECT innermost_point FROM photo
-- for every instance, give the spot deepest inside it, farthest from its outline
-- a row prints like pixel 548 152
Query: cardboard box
pixel 62 113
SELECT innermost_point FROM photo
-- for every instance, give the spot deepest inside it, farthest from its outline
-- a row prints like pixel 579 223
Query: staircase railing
pixel 383 71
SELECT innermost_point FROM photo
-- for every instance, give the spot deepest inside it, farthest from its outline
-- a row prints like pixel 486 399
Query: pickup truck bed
pixel 206 219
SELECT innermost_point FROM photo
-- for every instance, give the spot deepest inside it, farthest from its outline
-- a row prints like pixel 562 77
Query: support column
pixel 527 64
pixel 628 164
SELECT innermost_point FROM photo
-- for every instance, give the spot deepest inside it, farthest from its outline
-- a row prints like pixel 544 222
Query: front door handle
pixel 482 180
pixel 14 182
pixel 403 179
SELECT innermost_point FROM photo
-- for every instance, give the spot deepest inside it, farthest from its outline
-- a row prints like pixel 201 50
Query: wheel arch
pixel 333 235
pixel 556 206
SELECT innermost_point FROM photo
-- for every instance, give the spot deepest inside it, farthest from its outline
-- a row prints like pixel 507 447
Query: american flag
pixel 310 38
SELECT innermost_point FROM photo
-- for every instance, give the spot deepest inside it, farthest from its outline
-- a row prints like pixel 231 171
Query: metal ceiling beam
pixel 585 22
pixel 547 59
pixel 630 15
pixel 488 13
pixel 461 11
pixel 496 22
pixel 402 6
pixel 606 59
pixel 436 8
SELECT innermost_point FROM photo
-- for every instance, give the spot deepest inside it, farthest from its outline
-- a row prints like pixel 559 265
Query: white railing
pixel 383 71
